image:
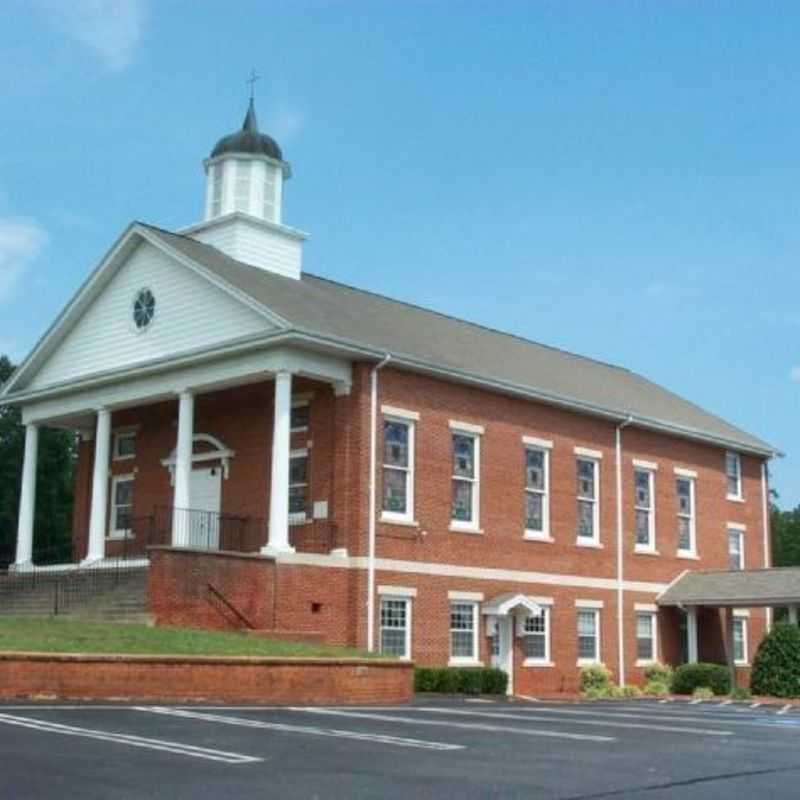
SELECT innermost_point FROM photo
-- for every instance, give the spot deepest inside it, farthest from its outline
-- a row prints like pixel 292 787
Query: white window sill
pixel 741 663
pixel 536 536
pixel 464 662
pixel 456 528
pixel 687 554
pixel 646 551
pixel 133 455
pixel 406 521
pixel 534 662
pixel 587 543
pixel 119 536
pixel 734 498
pixel 299 519
pixel 587 662
pixel 646 662
pixel 299 430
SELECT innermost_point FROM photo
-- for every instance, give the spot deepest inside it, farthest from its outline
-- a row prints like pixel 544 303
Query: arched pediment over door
pixel 205 447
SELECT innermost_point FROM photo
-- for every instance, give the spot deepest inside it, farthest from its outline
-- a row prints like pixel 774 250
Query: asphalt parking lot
pixel 433 749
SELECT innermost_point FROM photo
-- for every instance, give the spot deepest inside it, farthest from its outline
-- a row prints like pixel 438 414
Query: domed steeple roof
pixel 248 140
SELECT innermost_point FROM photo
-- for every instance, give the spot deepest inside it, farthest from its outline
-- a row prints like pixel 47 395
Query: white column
pixel 99 512
pixel 728 612
pixel 183 470
pixel 792 610
pixel 27 499
pixel 691 634
pixel 279 487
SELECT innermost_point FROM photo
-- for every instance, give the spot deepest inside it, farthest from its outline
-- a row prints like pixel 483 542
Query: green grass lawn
pixel 60 635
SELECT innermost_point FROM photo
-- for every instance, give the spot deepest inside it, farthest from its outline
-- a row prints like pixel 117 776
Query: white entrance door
pixel 502 648
pixel 205 494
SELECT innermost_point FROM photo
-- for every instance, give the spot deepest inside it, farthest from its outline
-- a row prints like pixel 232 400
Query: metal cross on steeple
pixel 252 81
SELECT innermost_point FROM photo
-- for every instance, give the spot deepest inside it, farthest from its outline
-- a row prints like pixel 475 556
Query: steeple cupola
pixel 245 174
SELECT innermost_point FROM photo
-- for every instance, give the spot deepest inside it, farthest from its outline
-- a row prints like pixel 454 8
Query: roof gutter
pixel 373 443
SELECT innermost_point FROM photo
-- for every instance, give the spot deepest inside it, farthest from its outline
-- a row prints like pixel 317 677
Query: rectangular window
pixel 466 486
pixel 398 469
pixel 124 445
pixel 686 521
pixel 645 636
pixel 463 631
pixel 299 417
pixel 588 511
pixel 537 637
pixel 537 506
pixel 396 627
pixel 242 186
pixel 740 640
pixel 216 190
pixel 298 485
pixel 735 549
pixel 588 635
pixel 644 480
pixel 733 472
pixel 121 505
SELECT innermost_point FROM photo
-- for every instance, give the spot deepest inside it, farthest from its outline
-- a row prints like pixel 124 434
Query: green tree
pixel 54 483
pixel 785 536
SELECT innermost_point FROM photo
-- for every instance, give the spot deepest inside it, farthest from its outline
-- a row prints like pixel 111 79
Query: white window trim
pixel 397 591
pixel 653 614
pixel 473 660
pixel 639 463
pixel 407 517
pixel 685 473
pixel 589 604
pixel 113 532
pixel 121 433
pixel 401 414
pixel 544 534
pixel 739 531
pixel 585 662
pixel 465 597
pixel 650 547
pixel 299 518
pixel 737 496
pixel 742 662
pixel 691 552
pixel 466 427
pixel 474 525
pixel 408 604
pixel 595 540
pixel 586 452
pixel 535 441
pixel 547 660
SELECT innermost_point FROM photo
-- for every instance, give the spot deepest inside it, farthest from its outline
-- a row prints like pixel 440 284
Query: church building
pixel 287 453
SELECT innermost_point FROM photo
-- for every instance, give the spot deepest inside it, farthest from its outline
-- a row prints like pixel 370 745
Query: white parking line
pixel 785 710
pixel 475 726
pixel 243 722
pixel 755 705
pixel 132 741
pixel 602 723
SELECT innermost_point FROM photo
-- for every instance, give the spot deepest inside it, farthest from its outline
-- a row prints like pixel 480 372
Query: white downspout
pixel 372 505
pixel 765 516
pixel 620 556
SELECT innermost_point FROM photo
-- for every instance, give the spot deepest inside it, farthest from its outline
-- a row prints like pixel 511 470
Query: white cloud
pixel 21 241
pixel 794 374
pixel 112 28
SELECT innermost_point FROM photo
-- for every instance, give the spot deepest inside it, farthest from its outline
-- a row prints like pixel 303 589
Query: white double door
pixel 205 495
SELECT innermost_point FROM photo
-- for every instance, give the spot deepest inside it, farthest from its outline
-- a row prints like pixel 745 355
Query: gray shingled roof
pixel 331 309
pixel 740 588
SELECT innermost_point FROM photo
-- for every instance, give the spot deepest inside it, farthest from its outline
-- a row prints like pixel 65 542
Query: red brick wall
pixel 231 680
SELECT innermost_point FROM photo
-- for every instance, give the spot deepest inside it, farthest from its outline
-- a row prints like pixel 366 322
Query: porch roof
pixel 507 603
pixel 735 588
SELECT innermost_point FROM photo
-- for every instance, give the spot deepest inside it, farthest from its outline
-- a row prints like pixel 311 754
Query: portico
pixel 92 412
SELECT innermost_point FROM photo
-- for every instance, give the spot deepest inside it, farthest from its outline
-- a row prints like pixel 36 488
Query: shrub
pixel 460 680
pixel 702 693
pixel 595 676
pixel 631 691
pixel 659 673
pixel 656 688
pixel 740 693
pixel 688 677
pixel 776 666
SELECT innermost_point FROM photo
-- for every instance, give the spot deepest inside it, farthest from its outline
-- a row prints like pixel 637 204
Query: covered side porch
pixel 213 455
pixel 731 594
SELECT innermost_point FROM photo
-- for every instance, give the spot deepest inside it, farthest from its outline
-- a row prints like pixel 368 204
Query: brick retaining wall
pixel 201 678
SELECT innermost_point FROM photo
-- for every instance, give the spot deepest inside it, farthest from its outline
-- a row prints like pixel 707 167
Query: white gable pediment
pixel 191 313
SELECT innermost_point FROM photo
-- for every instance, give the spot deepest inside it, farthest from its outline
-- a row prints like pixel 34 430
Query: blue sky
pixel 619 179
